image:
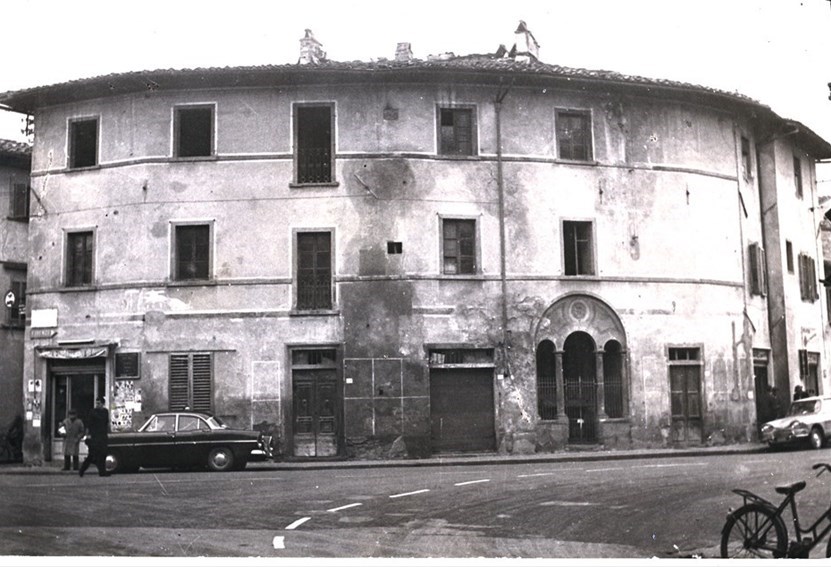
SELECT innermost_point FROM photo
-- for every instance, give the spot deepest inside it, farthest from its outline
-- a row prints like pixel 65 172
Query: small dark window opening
pixel 574 141
pixel 456 132
pixel 313 357
pixel 313 130
pixel 679 354
pixel 746 158
pixel 577 248
pixel 459 243
pixel 394 247
pixel 19 202
pixel 193 252
pixel 17 312
pixel 314 270
pixel 83 142
pixel 789 255
pixel 79 252
pixel 546 381
pixel 194 132
pixel 797 176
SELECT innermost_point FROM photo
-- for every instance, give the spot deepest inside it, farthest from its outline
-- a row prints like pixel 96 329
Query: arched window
pixel 613 379
pixel 546 381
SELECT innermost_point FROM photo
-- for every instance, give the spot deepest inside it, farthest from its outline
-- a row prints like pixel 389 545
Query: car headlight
pixel 798 428
pixel 767 428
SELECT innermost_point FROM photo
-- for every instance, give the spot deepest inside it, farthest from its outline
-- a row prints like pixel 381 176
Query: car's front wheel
pixel 817 438
pixel 114 462
pixel 221 459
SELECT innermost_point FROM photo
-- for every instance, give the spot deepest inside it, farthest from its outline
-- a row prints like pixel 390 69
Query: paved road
pixel 665 507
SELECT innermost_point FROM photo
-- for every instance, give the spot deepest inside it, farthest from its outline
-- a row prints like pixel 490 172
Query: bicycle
pixel 757 529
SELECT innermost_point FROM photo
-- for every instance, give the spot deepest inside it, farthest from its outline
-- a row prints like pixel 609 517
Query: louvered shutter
pixel 202 373
pixel 178 382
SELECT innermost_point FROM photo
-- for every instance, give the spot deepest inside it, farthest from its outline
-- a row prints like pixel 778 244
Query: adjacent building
pixel 15 162
pixel 406 257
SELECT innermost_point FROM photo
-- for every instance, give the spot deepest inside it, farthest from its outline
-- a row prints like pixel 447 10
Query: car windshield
pixel 804 407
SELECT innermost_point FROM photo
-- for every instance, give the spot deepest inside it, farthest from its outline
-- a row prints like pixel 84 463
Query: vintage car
pixel 808 421
pixel 184 440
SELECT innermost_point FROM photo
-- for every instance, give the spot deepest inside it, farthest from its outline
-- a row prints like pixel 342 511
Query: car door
pixel 156 444
pixel 193 441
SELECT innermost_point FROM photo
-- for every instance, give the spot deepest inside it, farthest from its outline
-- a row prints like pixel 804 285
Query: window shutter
pixel 755 283
pixel 178 382
pixel 802 292
pixel 814 290
pixel 202 382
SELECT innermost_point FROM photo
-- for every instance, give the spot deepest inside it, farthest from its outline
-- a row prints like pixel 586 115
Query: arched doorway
pixel 580 381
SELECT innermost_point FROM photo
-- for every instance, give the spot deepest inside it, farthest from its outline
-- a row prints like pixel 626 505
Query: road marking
pixel 160 484
pixel 279 542
pixel 565 503
pixel 669 465
pixel 409 493
pixel 472 482
pixel 537 474
pixel 604 470
pixel 296 523
pixel 339 508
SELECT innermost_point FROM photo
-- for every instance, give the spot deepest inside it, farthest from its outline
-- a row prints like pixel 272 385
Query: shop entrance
pixel 75 386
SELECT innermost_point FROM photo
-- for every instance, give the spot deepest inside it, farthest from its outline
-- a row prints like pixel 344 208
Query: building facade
pixel 406 257
pixel 15 162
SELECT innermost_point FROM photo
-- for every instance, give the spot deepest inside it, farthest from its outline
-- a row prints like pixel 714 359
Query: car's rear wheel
pixel 221 459
pixel 114 462
pixel 817 438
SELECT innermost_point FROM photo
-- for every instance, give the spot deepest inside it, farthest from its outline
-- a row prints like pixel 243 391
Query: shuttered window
pixel 758 280
pixel 191 382
pixel 808 278
pixel 19 201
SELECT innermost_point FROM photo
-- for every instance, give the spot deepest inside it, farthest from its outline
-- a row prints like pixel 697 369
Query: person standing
pixel 98 428
pixel 74 432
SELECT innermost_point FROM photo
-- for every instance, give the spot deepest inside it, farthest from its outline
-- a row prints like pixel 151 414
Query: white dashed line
pixel 604 470
pixel 472 482
pixel 296 523
pixel 669 465
pixel 536 474
pixel 339 508
pixel 279 542
pixel 409 493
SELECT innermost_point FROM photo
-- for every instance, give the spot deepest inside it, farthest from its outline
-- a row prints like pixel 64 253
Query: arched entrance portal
pixel 582 375
pixel 580 382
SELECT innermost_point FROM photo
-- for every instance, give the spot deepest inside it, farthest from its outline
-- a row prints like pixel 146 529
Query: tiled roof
pixel 12 148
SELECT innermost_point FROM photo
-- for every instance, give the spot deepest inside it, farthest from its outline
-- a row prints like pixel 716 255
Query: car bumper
pixel 783 436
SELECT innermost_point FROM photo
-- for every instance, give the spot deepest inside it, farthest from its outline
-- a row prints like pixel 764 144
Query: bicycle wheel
pixel 754 531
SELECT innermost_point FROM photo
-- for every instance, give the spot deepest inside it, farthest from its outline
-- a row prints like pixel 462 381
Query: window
pixel 797 176
pixel 314 270
pixel 79 257
pixel 19 201
pixel 758 282
pixel 127 365
pixel 314 143
pixel 613 401
pixel 83 143
pixel 789 256
pixel 574 136
pixel 194 131
pixel 457 131
pixel 190 382
pixel 459 246
pixel 578 253
pixel 17 312
pixel 809 371
pixel 546 381
pixel 807 278
pixel 746 158
pixel 193 252
pixel 394 247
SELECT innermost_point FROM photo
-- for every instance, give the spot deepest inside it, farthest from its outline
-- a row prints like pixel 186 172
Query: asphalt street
pixel 630 508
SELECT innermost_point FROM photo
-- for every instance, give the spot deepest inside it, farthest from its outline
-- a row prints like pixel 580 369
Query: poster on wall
pixel 127 400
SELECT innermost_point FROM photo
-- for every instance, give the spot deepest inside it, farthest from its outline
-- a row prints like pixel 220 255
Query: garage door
pixel 461 410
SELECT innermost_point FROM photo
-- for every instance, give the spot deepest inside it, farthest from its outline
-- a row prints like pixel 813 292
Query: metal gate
pixel 462 410
pixel 581 409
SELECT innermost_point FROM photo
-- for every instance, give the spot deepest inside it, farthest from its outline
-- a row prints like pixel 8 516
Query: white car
pixel 808 420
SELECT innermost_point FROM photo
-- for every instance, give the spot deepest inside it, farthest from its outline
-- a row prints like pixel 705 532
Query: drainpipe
pixel 500 96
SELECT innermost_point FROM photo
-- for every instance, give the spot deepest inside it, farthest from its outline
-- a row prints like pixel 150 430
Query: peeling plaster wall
pixel 672 223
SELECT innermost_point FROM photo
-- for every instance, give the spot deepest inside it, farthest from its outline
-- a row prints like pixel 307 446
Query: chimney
pixel 311 50
pixel 403 52
pixel 526 47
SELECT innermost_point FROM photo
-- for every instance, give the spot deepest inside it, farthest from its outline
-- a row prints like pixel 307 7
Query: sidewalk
pixel 460 459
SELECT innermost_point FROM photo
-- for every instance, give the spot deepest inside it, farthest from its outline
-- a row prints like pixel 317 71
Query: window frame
pixel 747 159
pixel 176 124
pixel 72 142
pixel 758 270
pixel 472 110
pixel 295 143
pixel 789 256
pixel 797 176
pixel 477 269
pixel 16 314
pixel 807 278
pixel 190 358
pixel 592 247
pixel 296 234
pixel 69 259
pixel 174 250
pixel 19 201
pixel 587 113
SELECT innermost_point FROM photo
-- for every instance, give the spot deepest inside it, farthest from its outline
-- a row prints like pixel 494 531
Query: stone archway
pixel 581 321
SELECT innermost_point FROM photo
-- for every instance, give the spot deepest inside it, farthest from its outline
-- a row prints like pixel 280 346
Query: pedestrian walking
pixel 98 428
pixel 774 406
pixel 73 430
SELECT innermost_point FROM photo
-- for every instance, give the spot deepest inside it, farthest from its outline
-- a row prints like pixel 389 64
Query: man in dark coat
pixel 98 427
